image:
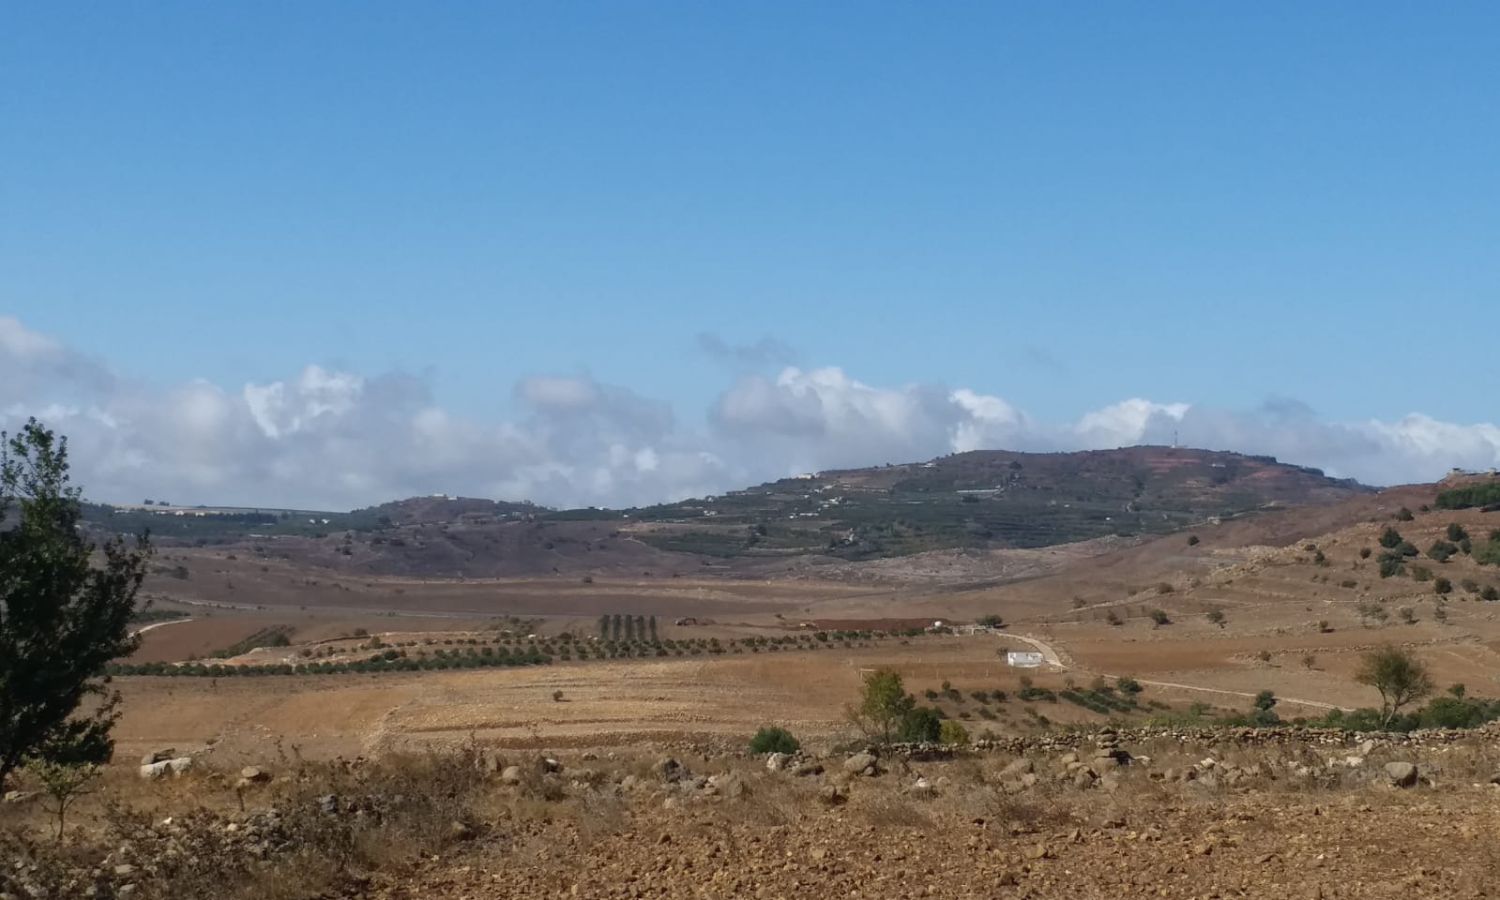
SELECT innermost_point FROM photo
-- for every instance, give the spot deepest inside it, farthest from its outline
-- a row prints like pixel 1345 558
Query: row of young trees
pixel 629 628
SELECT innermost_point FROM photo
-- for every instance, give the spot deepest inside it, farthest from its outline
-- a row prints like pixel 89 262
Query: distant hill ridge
pixel 977 500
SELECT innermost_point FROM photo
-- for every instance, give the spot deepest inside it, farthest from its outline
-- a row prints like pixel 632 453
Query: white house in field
pixel 1023 659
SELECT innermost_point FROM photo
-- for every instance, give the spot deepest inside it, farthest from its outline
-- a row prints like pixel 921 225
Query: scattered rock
pixel 255 775
pixel 672 771
pixel 510 775
pixel 1401 774
pixel 861 764
pixel 729 785
pixel 157 770
pixel 832 795
pixel 461 831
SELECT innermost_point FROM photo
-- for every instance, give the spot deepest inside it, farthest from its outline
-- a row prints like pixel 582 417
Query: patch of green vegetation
pixel 1468 496
pixel 271 636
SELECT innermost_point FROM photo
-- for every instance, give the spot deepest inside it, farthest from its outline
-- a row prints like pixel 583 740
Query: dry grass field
pixel 1290 593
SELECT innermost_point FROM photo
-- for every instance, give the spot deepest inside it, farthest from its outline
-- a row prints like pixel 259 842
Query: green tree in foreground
pixel 62 619
pixel 1398 675
pixel 63 783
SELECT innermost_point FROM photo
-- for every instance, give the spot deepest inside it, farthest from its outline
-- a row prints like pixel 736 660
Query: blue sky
pixel 1063 205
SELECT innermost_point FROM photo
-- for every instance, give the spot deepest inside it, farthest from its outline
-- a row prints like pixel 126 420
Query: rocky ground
pixel 1240 813
pixel 1241 847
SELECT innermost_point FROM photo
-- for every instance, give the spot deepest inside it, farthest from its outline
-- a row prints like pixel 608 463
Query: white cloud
pixel 1125 423
pixel 325 438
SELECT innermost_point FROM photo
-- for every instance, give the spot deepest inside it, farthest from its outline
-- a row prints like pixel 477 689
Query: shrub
pixel 1364 552
pixel 773 739
pixel 1216 616
pixel 1192 540
pixel 1160 617
pixel 1127 685
pixel 1442 585
pixel 1408 615
pixel 1113 618
pixel 1488 553
pixel 1390 538
pixel 1404 515
pixel 1164 587
pixel 1421 573
pixel 922 725
pixel 1456 532
pixel 952 733
pixel 1490 594
pixel 1442 551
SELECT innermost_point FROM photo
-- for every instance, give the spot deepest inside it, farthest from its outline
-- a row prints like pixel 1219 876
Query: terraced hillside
pixel 985 499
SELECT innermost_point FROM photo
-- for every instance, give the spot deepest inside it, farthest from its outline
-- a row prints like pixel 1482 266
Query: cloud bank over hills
pixel 334 439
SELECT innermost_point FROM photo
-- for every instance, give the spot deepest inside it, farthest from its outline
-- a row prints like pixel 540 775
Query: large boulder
pixel 156 756
pixel 777 761
pixel 864 763
pixel 1018 768
pixel 1401 774
pixel 510 775
pixel 158 770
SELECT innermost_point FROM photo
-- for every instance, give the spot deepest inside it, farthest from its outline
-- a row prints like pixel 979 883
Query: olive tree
pixel 1398 675
pixel 63 617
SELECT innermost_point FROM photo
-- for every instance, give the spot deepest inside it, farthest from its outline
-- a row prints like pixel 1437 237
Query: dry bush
pixel 888 809
pixel 774 801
